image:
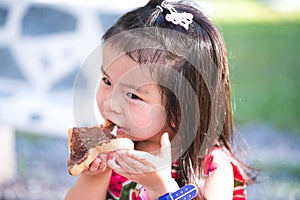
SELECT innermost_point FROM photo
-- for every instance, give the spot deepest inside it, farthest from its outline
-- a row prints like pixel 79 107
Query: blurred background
pixel 44 43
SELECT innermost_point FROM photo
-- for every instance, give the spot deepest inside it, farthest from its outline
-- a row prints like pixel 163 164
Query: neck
pixel 152 145
pixel 147 146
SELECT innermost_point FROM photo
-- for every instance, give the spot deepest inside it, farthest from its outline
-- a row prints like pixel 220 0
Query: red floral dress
pixel 124 189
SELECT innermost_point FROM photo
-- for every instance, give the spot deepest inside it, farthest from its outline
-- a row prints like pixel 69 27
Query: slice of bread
pixel 86 143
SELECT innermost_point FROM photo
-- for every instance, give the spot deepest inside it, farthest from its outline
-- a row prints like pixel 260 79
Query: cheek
pixel 140 117
pixel 149 118
pixel 99 99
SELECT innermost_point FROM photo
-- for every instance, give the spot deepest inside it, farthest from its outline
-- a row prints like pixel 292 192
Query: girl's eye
pixel 133 96
pixel 106 81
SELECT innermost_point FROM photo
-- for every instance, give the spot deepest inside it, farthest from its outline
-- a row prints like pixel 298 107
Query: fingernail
pixel 121 151
pixel 97 161
pixel 102 156
pixel 112 164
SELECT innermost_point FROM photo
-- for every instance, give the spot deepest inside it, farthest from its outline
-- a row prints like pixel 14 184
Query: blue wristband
pixel 187 192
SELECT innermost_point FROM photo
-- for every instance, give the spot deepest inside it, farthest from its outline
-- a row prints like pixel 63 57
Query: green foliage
pixel 265 65
pixel 264 57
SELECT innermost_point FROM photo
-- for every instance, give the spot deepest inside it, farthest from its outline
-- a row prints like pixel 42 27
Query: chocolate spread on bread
pixel 84 138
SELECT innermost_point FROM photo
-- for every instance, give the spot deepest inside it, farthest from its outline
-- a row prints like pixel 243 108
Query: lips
pixel 118 130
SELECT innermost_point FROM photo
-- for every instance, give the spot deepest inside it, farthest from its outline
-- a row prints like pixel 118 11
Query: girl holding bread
pixel 165 85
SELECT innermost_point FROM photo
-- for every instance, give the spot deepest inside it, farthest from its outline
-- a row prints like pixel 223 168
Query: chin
pixel 134 139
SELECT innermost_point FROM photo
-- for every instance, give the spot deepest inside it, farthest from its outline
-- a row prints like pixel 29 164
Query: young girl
pixel 165 85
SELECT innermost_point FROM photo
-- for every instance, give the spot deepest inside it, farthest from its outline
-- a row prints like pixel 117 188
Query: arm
pixel 162 179
pixel 162 187
pixel 220 184
pixel 92 184
pixel 90 187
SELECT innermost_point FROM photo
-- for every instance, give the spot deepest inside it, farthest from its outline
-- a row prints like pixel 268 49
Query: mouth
pixel 116 129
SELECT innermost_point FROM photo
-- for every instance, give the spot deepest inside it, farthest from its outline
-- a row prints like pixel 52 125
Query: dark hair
pixel 198 101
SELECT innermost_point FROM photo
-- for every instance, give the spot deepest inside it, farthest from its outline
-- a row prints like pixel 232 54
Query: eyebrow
pixel 103 72
pixel 133 87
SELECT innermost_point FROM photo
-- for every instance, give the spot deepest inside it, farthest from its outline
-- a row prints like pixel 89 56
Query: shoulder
pixel 216 157
pixel 219 176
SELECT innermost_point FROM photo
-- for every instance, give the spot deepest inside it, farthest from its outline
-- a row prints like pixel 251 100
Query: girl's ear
pixel 173 124
pixel 170 130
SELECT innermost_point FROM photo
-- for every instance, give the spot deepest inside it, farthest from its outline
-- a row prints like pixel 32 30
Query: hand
pixel 99 165
pixel 153 171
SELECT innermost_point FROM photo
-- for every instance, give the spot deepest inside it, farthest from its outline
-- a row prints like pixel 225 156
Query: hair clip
pixel 183 19
pixel 160 8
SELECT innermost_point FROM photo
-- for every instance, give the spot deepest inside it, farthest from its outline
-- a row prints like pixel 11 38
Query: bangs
pixel 150 45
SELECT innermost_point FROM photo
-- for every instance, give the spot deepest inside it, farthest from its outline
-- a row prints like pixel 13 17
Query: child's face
pixel 130 98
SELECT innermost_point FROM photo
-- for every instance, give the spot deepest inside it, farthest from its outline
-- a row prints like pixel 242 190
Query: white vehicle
pixel 42 47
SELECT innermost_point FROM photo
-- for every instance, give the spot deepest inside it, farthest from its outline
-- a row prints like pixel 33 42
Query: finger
pixel 85 171
pixel 103 164
pixel 163 159
pixel 103 158
pixel 142 157
pixel 126 163
pixel 143 161
pixel 132 163
pixel 94 166
pixel 165 148
pixel 113 164
pixel 165 144
pixel 165 141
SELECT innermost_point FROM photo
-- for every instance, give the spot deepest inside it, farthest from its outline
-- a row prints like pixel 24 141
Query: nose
pixel 111 104
pixel 116 109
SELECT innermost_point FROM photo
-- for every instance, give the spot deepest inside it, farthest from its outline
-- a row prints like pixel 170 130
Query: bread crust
pixel 112 145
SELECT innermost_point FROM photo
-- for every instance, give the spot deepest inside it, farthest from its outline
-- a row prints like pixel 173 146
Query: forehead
pixel 122 69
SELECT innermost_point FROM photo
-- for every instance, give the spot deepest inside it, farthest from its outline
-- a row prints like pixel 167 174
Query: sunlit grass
pixel 243 11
